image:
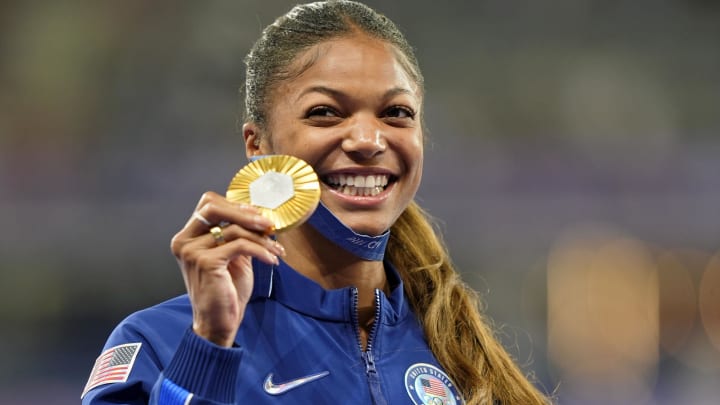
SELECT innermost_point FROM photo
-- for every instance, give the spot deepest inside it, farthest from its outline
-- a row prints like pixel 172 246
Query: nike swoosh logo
pixel 276 389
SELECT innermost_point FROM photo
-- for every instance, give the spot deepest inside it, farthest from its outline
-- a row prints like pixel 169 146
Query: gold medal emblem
pixel 284 188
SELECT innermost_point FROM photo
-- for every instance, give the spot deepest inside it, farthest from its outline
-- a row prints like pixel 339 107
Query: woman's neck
pixel 319 259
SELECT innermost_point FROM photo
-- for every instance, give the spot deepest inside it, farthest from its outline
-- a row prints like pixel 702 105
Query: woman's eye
pixel 322 111
pixel 400 112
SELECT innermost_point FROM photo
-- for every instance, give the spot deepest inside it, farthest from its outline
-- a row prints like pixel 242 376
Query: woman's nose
pixel 365 139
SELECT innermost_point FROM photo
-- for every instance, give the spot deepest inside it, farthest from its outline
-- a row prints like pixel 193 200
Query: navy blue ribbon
pixel 364 246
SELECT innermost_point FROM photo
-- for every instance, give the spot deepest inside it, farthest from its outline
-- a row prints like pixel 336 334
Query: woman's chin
pixel 366 227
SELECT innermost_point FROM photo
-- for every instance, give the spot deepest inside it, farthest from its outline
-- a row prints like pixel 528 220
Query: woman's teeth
pixel 358 185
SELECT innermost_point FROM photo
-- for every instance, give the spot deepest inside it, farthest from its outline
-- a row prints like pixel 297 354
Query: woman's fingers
pixel 246 247
pixel 234 232
pixel 229 230
pixel 215 209
pixel 238 241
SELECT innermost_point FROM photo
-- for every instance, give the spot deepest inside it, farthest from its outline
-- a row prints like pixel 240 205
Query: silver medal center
pixel 271 190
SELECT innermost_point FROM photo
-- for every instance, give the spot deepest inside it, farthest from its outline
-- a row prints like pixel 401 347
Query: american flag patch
pixel 433 386
pixel 112 366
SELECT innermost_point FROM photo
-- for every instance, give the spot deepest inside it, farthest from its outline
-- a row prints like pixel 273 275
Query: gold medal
pixel 284 188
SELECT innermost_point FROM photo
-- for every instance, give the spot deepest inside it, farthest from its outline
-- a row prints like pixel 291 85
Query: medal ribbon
pixel 363 246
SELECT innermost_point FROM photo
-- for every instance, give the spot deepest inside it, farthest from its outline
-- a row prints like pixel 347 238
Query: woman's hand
pixel 218 276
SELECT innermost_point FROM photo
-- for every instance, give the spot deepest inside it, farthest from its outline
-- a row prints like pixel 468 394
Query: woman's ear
pixel 252 136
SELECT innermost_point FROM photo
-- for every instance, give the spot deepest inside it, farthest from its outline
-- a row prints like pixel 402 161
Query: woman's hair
pixel 458 335
pixel 303 27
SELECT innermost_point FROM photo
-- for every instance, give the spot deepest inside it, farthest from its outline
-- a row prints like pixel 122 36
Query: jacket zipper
pixel 367 355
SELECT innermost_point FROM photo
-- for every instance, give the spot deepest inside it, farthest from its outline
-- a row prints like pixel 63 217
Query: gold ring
pixel 217 234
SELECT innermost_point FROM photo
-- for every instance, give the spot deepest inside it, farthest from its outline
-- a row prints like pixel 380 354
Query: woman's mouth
pixel 358 184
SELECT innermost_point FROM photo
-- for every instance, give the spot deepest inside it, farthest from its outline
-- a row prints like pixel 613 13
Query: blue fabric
pixel 214 371
pixel 363 246
pixel 172 394
pixel 292 328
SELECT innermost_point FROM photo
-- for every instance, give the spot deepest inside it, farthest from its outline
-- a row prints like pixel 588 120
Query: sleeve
pixel 200 373
pixel 129 371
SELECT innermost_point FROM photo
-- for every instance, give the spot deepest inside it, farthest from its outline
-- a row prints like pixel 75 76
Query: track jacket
pixel 298 344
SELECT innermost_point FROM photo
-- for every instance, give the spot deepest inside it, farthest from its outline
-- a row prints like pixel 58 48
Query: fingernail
pixel 274 259
pixel 278 248
pixel 247 207
pixel 260 223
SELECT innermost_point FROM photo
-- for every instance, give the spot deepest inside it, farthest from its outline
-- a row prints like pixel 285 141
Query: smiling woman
pixel 360 304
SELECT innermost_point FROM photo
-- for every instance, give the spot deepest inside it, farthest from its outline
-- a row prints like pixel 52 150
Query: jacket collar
pixel 288 287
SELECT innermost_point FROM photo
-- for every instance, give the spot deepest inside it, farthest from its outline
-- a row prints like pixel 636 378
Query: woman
pixel 310 317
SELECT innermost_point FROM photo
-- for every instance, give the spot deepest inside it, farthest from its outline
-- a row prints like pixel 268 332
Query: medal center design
pixel 271 190
pixel 285 189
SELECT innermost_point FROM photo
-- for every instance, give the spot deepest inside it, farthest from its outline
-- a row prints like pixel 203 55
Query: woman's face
pixel 354 115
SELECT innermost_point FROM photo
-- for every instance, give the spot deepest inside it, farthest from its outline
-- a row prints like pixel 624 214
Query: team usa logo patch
pixel 112 366
pixel 428 385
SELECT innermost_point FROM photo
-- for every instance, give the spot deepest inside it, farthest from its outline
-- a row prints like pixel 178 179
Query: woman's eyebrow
pixel 338 94
pixel 396 91
pixel 323 90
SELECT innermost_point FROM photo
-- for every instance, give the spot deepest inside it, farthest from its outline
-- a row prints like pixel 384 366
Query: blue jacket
pixel 298 343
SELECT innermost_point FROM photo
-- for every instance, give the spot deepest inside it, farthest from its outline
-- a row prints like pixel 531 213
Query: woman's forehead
pixel 350 61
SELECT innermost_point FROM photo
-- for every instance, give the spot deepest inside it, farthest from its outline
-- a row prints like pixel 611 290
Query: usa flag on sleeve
pixel 112 366
pixel 433 386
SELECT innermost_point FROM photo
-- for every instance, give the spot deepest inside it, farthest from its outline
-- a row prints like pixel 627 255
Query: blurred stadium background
pixel 573 165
